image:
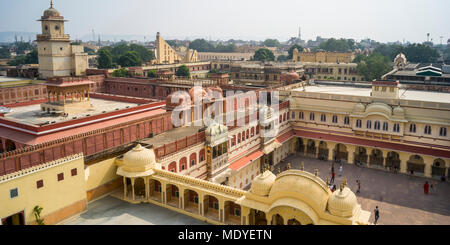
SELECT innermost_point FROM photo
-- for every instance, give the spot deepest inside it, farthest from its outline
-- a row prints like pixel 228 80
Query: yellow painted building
pixel 323 57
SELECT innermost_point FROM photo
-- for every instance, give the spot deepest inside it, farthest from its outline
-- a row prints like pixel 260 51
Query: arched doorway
pixel 361 156
pixel 416 165
pixel 257 217
pixel 1 146
pixel 211 207
pixel 438 169
pixel 311 149
pixel 191 201
pixel 340 153
pixel 376 158
pixel 277 219
pixel 232 212
pixel 155 190
pixel 10 145
pixel 139 188
pixel 172 196
pixel 393 161
pixel 299 146
pixel 293 222
pixel 323 151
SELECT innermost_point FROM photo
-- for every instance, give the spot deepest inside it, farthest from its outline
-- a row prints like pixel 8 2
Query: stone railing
pixel 40 167
pixel 200 183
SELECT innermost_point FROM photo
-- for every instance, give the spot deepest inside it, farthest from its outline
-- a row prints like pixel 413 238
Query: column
pixel 316 144
pixel 369 153
pixel 245 212
pixel 181 191
pixel 351 154
pixel 428 161
pixel 146 187
pixel 201 210
pixel 331 147
pixel 269 218
pixel 221 212
pixel 124 188
pixel 384 157
pixel 163 193
pixel 404 157
pixel 132 187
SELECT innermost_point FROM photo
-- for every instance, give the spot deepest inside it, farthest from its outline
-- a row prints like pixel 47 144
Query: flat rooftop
pixel 32 114
pixel 17 81
pixel 171 136
pixel 356 91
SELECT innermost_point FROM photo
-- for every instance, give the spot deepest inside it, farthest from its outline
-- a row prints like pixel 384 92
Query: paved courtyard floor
pixel 112 211
pixel 399 197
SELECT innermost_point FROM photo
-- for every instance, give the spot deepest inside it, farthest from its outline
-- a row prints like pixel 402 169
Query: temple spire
pixel 51 3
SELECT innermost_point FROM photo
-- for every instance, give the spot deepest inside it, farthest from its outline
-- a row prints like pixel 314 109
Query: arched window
pixel 427 129
pixel 369 124
pixel 323 118
pixel 377 125
pixel 358 123
pixel 293 115
pixel 412 128
pixel 346 120
pixel 396 127
pixel 257 129
pixel 335 119
pixel 172 167
pixel 247 134
pixel 311 116
pixel 281 118
pixel 386 126
pixel 443 131
pixel 193 159
pixel 252 132
pixel 233 140
pixel 239 138
pixel 183 162
pixel 243 136
pixel 201 155
pixel 300 115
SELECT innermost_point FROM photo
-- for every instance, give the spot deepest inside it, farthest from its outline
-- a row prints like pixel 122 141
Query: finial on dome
pixel 342 187
pixel 328 181
pixel 289 165
pixel 278 170
pixel 302 166
pixel 316 172
pixel 345 182
pixel 51 3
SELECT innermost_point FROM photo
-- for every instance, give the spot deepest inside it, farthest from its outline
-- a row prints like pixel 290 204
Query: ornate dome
pixel 51 12
pixel 343 203
pixel 216 129
pixel 399 111
pixel 139 159
pixel 303 185
pixel 263 183
pixel 181 96
pixel 379 108
pixel 359 108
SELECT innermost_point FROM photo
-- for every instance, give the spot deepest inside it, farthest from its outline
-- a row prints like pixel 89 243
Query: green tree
pixel 201 45
pixel 271 43
pixel 183 71
pixel 263 54
pixel 130 58
pixel 145 54
pixel 291 50
pixel 4 53
pixel 122 72
pixel 419 53
pixel 151 73
pixel 338 45
pixel 105 60
pixel 373 66
pixel 282 58
pixel 446 55
pixel 30 58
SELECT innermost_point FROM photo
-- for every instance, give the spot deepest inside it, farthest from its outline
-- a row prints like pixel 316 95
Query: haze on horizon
pixel 381 20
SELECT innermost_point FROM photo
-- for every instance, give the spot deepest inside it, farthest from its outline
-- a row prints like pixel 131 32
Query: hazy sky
pixel 382 20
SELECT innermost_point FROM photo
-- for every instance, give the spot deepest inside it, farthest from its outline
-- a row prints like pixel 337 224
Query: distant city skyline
pixel 382 20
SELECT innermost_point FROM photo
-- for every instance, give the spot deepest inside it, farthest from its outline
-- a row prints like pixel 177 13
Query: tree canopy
pixel 30 58
pixel 105 60
pixel 339 45
pixel 271 43
pixel 183 71
pixel 4 53
pixel 263 54
pixel 122 72
pixel 373 66
pixel 291 50
pixel 201 45
pixel 416 53
pixel 282 58
pixel 122 54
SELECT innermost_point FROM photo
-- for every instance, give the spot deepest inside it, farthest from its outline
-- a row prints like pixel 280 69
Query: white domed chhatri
pixel 139 159
pixel 343 203
pixel 216 129
pixel 51 12
pixel 263 183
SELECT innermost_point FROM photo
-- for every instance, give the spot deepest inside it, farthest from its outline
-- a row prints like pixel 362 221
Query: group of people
pixel 429 188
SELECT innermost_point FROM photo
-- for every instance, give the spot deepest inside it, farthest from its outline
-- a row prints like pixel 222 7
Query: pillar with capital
pixel 331 146
pixel 351 154
pixel 269 218
pixel 404 157
pixel 428 161
pixel 245 212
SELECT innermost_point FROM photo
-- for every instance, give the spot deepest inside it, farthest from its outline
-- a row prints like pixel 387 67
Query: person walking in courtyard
pixel 332 177
pixel 359 186
pixel 431 187
pixel 340 171
pixel 425 187
pixel 377 215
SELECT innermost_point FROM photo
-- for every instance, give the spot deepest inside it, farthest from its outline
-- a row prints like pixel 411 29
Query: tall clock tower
pixel 57 57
